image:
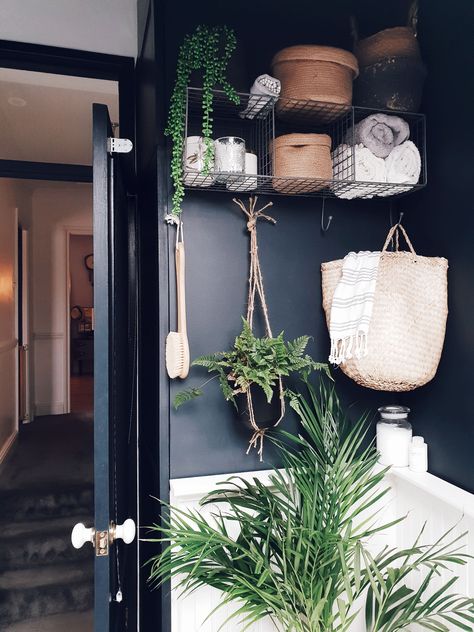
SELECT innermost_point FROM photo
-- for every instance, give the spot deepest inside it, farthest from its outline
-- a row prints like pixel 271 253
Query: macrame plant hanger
pixel 256 288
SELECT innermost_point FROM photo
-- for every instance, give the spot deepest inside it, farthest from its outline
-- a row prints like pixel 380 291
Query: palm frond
pixel 300 552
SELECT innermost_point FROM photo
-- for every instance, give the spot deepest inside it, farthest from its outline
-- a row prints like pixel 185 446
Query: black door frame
pixel 76 63
pixel 64 61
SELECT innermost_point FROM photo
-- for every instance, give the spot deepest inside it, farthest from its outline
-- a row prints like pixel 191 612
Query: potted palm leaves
pixel 299 554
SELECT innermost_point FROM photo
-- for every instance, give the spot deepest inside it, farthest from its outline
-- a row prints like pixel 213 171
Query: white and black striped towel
pixel 352 304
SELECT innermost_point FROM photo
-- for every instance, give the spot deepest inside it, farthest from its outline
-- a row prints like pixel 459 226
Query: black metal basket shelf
pixel 266 118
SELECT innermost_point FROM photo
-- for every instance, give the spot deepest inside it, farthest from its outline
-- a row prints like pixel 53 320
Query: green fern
pixel 186 396
pixel 256 361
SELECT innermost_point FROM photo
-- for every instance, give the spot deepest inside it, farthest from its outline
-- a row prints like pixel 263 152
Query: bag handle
pixel 391 232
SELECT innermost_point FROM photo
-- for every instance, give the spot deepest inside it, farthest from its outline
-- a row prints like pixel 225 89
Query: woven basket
pixel 303 156
pixel 396 42
pixel 408 324
pixel 315 73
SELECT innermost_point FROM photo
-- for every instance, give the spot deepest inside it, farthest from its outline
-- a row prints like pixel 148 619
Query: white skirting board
pixel 422 497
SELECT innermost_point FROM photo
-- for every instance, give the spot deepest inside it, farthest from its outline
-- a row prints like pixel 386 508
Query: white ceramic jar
pixel 246 183
pixel 194 153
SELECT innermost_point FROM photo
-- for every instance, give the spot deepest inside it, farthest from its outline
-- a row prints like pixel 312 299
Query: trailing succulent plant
pixel 253 361
pixel 208 51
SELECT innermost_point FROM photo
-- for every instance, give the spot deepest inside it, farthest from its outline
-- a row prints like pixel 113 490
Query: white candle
pixel 246 184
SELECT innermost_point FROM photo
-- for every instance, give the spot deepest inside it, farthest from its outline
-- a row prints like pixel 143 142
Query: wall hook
pixel 323 227
pixel 400 216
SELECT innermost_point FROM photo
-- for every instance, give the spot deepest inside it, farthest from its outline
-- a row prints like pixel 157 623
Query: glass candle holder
pixel 394 434
pixel 229 156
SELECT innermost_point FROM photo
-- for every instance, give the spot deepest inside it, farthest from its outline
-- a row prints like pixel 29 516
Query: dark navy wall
pixel 205 437
pixel 443 223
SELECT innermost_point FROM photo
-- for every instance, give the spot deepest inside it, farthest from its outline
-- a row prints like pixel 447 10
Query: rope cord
pixel 255 283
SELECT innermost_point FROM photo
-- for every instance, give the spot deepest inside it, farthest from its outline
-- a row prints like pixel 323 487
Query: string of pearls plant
pixel 207 50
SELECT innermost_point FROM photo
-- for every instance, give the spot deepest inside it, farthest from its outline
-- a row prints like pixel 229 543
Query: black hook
pixel 323 227
pixel 400 216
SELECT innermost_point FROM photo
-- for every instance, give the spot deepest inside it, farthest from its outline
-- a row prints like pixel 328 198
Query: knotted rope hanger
pixel 256 288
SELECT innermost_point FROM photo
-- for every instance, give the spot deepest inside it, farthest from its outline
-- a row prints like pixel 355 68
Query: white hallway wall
pixel 8 332
pixel 103 26
pixel 55 210
pixel 13 198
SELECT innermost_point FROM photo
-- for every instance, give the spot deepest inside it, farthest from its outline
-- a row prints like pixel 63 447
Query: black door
pixel 115 430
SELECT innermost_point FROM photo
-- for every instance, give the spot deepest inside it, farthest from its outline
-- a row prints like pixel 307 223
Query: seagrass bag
pixel 408 324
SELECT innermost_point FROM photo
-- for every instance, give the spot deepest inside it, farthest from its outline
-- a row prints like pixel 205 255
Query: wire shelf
pixel 260 119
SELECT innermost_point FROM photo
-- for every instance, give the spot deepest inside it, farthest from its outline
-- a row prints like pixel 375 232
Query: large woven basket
pixel 315 73
pixel 400 41
pixel 303 156
pixel 408 324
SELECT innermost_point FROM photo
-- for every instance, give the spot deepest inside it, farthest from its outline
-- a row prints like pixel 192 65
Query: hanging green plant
pixel 208 51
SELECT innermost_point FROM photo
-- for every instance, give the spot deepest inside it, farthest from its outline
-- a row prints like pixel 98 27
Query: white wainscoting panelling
pixel 423 497
pixel 50 374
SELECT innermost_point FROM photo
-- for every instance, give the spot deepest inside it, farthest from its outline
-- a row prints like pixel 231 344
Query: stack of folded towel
pixel 376 150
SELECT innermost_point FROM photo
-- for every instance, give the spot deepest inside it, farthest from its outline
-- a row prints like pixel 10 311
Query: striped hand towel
pixel 352 304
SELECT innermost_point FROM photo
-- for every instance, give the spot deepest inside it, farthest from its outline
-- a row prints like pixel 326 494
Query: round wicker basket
pixel 305 159
pixel 408 324
pixel 396 42
pixel 314 73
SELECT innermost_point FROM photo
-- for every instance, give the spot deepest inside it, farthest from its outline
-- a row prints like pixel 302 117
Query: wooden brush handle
pixel 180 288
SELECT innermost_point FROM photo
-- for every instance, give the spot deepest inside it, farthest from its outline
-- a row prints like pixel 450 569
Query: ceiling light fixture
pixel 17 102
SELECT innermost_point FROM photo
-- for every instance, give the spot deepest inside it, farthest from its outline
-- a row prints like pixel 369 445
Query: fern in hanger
pixel 253 361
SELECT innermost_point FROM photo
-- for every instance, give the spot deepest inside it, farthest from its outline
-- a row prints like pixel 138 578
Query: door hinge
pixel 119 145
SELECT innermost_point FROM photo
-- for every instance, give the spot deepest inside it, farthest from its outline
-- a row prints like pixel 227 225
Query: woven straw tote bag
pixel 408 325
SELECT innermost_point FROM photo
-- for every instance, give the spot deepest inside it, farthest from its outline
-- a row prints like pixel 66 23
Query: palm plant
pixel 300 555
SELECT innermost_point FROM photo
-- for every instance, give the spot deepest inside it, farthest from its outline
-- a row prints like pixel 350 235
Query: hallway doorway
pixel 46 468
pixel 81 322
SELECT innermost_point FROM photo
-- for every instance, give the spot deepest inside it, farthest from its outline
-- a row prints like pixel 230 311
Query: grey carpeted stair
pixel 41 542
pixel 48 590
pixel 46 487
pixel 38 504
pixel 41 573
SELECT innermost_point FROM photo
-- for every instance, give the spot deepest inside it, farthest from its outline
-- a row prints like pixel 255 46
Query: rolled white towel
pixel 403 166
pixel 266 90
pixel 367 168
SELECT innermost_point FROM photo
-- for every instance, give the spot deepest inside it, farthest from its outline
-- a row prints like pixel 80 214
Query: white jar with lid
pixel 394 434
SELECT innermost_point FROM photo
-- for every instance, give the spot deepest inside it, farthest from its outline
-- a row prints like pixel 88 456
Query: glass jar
pixel 394 433
pixel 229 156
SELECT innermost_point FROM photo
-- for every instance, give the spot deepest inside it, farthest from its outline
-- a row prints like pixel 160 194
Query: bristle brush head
pixel 174 354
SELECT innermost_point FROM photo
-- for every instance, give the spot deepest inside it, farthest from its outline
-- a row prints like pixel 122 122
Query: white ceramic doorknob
pixel 126 531
pixel 81 534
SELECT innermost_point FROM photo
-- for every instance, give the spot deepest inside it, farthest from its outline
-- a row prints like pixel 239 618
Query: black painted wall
pixel 442 218
pixel 205 436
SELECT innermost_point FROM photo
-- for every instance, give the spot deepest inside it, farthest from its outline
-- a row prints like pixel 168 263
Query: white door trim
pixel 70 230
pixel 17 318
